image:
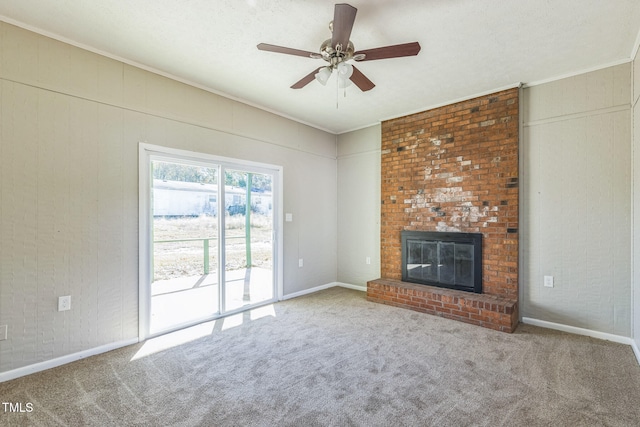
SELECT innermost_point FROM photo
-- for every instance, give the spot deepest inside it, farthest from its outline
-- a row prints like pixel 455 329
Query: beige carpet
pixel 334 359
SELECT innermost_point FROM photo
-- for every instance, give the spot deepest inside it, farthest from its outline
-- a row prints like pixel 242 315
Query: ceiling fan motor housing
pixel 335 56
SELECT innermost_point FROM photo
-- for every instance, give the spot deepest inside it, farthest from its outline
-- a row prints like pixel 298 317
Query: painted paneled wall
pixel 577 201
pixel 636 197
pixel 70 124
pixel 359 206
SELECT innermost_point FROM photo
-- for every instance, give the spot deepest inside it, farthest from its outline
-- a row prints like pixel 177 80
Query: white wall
pixel 70 124
pixel 577 201
pixel 359 206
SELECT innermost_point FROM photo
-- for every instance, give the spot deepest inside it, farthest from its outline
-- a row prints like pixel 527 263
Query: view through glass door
pixel 184 242
pixel 248 248
pixel 211 224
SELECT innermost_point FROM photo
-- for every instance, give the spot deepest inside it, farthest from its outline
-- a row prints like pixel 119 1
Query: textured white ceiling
pixel 469 47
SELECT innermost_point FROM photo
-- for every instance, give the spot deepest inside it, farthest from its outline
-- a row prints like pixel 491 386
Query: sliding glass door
pixel 248 239
pixel 208 230
pixel 184 284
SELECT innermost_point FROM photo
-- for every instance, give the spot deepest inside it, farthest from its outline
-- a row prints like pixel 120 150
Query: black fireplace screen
pixel 449 260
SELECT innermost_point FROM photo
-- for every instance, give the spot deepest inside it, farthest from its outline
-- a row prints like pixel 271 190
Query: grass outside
pixel 179 259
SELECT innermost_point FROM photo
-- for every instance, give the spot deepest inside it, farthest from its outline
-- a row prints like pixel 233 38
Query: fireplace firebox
pixel 443 259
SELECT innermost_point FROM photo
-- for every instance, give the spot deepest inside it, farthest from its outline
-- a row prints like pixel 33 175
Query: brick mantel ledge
pixel 484 310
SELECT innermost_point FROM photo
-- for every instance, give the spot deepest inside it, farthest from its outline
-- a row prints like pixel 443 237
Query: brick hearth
pixel 483 310
pixel 455 169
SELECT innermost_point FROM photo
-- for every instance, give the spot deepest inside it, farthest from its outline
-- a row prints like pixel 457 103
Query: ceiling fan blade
pixel 344 16
pixel 361 80
pixel 286 50
pixel 395 51
pixel 306 79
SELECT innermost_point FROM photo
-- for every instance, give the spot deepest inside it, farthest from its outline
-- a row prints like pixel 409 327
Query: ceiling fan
pixel 339 49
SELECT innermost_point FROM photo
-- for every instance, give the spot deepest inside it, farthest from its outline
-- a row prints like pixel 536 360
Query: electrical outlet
pixel 3 332
pixel 64 303
pixel 548 281
pixel 300 262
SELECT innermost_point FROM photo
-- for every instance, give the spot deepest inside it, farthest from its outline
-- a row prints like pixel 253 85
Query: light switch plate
pixel 548 281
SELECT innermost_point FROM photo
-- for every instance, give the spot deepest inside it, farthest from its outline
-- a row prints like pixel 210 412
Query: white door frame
pixel 147 152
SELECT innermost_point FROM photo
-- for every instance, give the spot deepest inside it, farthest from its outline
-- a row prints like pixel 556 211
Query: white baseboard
pixel 350 286
pixel 636 350
pixel 323 287
pixel 582 331
pixel 308 291
pixel 63 360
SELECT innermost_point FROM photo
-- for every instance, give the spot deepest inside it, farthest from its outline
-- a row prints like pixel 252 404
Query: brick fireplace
pixel 454 169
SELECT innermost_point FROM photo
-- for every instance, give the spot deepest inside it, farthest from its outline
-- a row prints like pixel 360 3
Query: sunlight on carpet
pixel 192 333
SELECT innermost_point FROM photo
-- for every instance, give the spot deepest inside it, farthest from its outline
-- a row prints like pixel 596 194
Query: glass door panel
pixel 184 267
pixel 447 262
pixel 248 236
pixel 464 265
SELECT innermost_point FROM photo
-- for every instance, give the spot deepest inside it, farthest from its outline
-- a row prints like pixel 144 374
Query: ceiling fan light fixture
pixel 345 70
pixel 322 76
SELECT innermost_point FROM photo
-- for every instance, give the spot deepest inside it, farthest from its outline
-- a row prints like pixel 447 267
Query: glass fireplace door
pixel 452 262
